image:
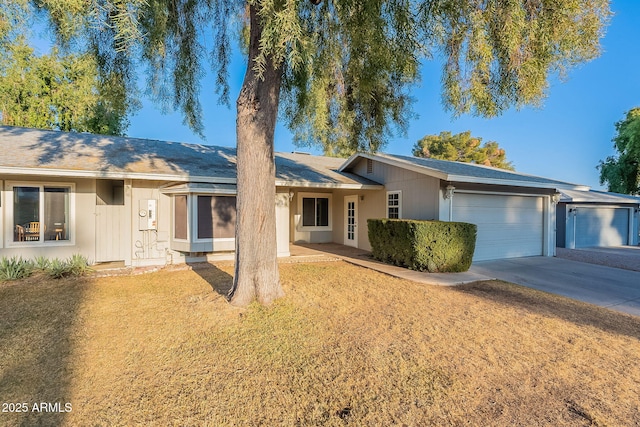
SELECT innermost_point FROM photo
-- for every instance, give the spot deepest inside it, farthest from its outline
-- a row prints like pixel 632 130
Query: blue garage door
pixel 600 226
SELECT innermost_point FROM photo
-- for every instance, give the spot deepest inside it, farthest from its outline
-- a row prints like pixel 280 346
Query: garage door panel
pixel 500 215
pixel 508 226
pixel 601 226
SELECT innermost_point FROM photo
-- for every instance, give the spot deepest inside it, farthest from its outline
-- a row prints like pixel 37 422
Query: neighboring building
pixel 143 202
pixel 596 218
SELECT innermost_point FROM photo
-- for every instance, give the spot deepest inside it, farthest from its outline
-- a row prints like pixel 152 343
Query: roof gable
pixel 462 172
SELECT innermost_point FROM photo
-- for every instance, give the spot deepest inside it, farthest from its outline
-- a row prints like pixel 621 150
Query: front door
pixel 351 221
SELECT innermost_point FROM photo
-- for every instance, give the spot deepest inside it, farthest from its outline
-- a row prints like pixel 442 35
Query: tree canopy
pixel 348 65
pixel 621 172
pixel 63 92
pixel 462 147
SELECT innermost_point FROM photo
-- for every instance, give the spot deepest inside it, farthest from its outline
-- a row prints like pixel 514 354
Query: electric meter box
pixel 148 214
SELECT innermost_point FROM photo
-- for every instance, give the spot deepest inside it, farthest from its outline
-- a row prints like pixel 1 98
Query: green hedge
pixel 433 246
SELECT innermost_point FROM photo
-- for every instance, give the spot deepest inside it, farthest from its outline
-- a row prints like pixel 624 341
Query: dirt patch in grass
pixel 346 346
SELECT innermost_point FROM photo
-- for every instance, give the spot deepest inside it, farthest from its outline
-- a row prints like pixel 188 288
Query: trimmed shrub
pixel 433 246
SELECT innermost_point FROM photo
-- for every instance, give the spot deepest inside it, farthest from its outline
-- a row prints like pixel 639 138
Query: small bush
pixel 76 265
pixel 434 246
pixel 79 265
pixel 41 263
pixel 15 268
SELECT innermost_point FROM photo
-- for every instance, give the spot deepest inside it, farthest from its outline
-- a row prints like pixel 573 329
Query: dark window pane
pixel 205 218
pixel 26 214
pixel 322 212
pixel 308 212
pixel 224 217
pixel 180 218
pixel 56 213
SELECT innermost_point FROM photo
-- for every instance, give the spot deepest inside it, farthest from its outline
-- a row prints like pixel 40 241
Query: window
pixel 224 217
pixel 316 211
pixel 41 213
pixel 211 217
pixel 180 219
pixel 205 217
pixel 394 204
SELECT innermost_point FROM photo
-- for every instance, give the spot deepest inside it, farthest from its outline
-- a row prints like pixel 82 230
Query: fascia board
pixel 398 163
pixel 350 160
pixel 114 175
pixel 307 184
pixel 515 183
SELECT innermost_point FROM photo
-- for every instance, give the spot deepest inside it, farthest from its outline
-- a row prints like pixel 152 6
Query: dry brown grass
pixel 346 346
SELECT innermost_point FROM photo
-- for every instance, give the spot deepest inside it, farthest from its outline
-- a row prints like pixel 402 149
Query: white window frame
pixel 399 193
pixel 187 218
pixel 8 217
pixel 328 196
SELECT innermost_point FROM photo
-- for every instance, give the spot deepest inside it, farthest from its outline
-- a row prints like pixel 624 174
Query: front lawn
pixel 346 346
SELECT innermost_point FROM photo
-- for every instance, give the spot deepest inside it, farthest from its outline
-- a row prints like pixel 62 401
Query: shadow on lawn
pixel 220 281
pixel 38 322
pixel 555 306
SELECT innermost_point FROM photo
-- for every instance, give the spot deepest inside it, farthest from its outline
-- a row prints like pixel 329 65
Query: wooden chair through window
pixel 32 231
pixel 19 234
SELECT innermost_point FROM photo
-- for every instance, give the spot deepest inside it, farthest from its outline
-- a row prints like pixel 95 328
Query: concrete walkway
pixel 333 251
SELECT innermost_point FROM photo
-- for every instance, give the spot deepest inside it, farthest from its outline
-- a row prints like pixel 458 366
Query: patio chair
pixel 32 231
pixel 19 235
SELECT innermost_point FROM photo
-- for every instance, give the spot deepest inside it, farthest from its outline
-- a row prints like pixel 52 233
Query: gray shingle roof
pixel 24 151
pixel 465 172
pixel 593 196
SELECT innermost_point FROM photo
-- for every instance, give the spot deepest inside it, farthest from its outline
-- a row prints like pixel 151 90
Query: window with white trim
pixel 394 204
pixel 315 210
pixel 40 213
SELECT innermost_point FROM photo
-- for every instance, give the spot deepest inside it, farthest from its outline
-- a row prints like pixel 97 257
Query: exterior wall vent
pixel 369 166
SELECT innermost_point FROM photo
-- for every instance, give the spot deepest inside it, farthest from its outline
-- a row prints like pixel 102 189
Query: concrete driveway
pixel 609 287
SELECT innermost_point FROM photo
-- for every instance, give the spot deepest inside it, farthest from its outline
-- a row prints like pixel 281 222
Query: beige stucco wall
pixel 420 193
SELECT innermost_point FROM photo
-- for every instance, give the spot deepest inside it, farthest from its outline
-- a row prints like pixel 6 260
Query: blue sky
pixel 563 139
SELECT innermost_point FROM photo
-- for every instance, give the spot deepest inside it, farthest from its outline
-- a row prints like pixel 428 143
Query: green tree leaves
pixel 349 65
pixel 462 147
pixel 58 92
pixel 622 172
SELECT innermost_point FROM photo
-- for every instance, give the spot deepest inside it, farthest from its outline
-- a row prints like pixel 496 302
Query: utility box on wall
pixel 148 215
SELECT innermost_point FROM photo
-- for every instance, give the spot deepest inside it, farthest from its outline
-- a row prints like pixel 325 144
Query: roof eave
pixel 516 183
pixel 113 175
pixel 333 185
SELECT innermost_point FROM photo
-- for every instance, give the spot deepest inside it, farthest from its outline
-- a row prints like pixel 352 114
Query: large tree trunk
pixel 256 268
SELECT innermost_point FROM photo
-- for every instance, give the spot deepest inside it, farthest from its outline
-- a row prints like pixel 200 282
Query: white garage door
pixel 600 226
pixel 508 226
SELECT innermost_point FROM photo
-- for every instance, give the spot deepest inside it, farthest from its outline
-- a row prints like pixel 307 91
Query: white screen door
pixel 351 221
